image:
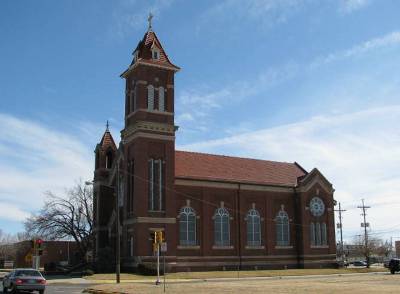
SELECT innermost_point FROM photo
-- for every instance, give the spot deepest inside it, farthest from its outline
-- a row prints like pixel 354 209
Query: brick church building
pixel 217 212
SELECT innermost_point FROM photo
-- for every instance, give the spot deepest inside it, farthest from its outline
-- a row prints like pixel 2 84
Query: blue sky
pixel 315 82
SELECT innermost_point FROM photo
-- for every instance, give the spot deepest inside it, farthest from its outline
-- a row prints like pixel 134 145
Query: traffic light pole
pixel 158 264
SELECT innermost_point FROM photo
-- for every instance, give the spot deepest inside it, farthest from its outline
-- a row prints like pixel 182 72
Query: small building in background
pixel 397 248
pixel 54 253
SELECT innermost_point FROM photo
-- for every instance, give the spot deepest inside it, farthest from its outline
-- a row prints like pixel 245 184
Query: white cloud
pixel 34 159
pixel 358 152
pixel 197 103
pixel 266 12
pixel 12 212
pixel 349 6
pixel 387 40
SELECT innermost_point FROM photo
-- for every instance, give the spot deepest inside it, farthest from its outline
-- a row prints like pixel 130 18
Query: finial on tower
pixel 107 125
pixel 149 19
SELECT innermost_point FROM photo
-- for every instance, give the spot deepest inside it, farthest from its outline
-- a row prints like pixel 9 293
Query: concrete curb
pixel 94 291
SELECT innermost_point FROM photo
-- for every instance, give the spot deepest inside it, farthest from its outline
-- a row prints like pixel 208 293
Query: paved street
pixel 63 288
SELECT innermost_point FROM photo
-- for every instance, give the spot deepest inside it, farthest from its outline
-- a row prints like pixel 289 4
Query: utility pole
pixel 340 225
pixel 365 225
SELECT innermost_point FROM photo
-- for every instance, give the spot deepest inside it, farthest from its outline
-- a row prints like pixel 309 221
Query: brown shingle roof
pixel 144 48
pixel 107 141
pixel 192 165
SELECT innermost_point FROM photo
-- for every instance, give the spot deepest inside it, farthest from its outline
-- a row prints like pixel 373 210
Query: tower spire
pixel 149 19
pixel 107 126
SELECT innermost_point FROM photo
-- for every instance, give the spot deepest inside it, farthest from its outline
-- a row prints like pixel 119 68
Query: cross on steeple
pixel 149 20
pixel 107 125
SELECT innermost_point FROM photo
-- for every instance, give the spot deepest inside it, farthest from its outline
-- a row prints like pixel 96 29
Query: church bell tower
pixel 148 140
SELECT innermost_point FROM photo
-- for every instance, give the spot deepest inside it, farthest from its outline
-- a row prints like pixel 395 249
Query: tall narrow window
pixel 161 99
pixel 109 159
pixel 130 246
pixel 221 227
pixel 131 184
pixel 324 239
pixel 156 184
pixel 187 226
pixel 317 234
pixel 253 228
pixel 150 97
pixel 312 234
pixel 282 229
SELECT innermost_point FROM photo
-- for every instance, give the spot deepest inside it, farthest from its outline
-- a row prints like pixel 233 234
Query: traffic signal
pixel 39 243
pixel 159 237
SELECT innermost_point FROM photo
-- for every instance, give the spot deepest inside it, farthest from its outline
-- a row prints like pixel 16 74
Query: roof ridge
pixel 238 157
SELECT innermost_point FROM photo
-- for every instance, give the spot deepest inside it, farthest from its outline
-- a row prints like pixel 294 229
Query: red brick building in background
pixel 217 212
pixel 54 252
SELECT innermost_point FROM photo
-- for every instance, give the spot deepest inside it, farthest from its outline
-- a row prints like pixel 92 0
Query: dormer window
pixel 156 54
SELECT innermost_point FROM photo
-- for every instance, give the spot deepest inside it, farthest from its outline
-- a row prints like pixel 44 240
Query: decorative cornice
pixel 236 186
pixel 149 111
pixel 148 135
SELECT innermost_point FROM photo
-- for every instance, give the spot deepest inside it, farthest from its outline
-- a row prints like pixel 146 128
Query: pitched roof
pixel 201 166
pixel 144 51
pixel 107 141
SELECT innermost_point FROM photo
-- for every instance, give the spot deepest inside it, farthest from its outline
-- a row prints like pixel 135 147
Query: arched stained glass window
pixel 253 228
pixel 221 227
pixel 318 234
pixel 187 226
pixel 282 229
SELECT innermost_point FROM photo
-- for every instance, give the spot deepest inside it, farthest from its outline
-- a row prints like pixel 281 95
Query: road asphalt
pixel 64 288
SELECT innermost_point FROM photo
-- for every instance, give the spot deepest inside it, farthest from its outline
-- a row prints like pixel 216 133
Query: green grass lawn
pixel 236 274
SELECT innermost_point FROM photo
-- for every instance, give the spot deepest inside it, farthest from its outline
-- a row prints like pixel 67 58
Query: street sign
pixel 164 247
pixel 364 225
pixel 28 257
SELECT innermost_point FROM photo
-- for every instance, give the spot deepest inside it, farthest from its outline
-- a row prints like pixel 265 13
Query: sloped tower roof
pixel 143 53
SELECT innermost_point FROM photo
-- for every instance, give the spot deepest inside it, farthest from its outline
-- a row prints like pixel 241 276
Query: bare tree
pixel 366 250
pixel 66 217
pixel 384 249
pixel 7 249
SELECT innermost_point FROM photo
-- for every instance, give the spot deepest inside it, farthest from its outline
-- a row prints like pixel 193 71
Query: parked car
pixel 24 279
pixel 394 265
pixel 359 263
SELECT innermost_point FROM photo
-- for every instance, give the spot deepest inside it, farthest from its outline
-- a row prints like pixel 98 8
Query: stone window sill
pixel 283 247
pixel 188 247
pixel 222 247
pixel 254 247
pixel 321 246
